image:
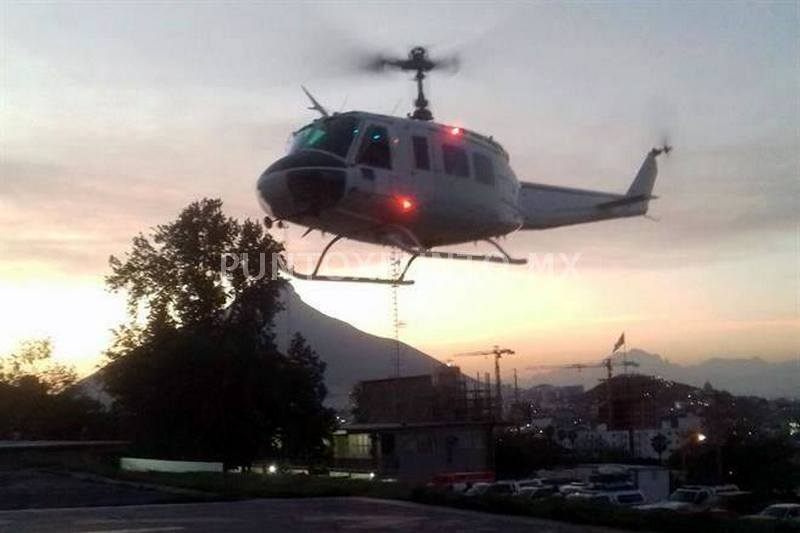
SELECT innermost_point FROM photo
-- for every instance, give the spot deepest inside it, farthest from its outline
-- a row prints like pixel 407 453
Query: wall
pixel 421 453
pixel 156 465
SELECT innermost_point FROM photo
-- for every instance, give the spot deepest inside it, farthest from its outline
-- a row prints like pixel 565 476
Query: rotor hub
pixel 417 61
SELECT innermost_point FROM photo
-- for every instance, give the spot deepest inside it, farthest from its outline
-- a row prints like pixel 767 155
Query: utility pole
pixel 488 393
pixel 497 387
pixel 609 394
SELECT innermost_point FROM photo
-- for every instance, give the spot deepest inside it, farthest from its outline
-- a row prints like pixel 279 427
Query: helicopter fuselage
pixel 368 177
pixel 415 184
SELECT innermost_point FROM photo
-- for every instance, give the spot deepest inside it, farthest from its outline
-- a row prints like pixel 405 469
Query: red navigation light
pixel 455 131
pixel 405 203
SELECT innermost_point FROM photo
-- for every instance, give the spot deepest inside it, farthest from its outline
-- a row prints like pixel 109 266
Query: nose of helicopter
pixel 273 194
pixel 289 188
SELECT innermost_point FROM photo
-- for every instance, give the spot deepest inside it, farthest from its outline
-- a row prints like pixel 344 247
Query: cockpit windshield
pixel 334 135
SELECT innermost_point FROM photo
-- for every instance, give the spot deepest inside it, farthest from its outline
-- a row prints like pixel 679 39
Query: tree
pixel 175 276
pixel 200 376
pixel 659 444
pixel 305 378
pixel 774 474
pixel 358 410
pixel 519 455
pixel 37 400
pixel 572 435
pixel 32 366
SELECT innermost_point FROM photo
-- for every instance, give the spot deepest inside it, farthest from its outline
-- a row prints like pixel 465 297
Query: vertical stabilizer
pixel 642 186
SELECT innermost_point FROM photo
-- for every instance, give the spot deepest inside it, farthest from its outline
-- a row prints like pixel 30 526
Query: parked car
pixel 558 481
pixel 534 493
pixel 477 489
pixel 458 488
pixel 779 511
pixel 695 498
pixel 505 488
pixel 575 486
pixel 527 483
pixel 686 499
pixel 586 486
pixel 628 498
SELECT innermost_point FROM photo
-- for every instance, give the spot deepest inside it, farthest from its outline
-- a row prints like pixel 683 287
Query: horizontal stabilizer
pixel 548 206
pixel 626 200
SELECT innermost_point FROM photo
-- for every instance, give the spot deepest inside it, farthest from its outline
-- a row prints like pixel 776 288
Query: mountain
pixel 743 376
pixel 351 355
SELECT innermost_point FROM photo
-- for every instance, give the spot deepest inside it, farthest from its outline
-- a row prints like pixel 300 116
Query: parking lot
pixel 30 488
pixel 38 500
pixel 276 515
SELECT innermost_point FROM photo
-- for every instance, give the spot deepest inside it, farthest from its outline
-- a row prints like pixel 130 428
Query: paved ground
pixel 53 502
pixel 275 516
pixel 20 489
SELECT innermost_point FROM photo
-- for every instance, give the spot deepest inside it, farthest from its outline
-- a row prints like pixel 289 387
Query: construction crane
pixel 606 363
pixel 498 353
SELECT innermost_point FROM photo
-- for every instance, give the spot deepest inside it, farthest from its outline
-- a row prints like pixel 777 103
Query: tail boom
pixel 546 206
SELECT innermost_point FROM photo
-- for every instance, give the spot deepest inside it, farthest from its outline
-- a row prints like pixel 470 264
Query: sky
pixel 114 116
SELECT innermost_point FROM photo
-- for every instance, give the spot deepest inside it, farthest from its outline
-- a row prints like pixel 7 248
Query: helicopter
pixel 416 185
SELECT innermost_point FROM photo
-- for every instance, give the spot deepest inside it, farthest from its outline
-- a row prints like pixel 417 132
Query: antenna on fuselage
pixel 316 106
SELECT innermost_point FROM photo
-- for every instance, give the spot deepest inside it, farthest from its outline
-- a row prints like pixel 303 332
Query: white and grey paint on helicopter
pixel 417 185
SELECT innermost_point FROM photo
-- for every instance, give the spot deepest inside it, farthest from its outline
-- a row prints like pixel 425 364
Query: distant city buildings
pixel 639 443
pixel 420 427
pixel 647 417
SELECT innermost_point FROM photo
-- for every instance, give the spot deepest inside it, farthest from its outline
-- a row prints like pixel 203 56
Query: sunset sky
pixel 116 115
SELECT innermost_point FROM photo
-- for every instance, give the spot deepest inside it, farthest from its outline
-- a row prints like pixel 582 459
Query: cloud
pixel 117 116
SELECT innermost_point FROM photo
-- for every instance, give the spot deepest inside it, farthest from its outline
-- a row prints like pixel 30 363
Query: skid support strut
pixel 413 251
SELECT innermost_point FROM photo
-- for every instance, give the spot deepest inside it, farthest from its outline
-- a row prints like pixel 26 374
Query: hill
pixel 743 376
pixel 351 354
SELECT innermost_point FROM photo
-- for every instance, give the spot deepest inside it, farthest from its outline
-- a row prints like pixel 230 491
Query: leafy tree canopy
pixel 200 376
pixel 32 365
pixel 174 276
pixel 37 400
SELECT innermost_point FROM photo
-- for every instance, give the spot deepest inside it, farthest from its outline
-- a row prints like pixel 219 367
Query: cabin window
pixel 484 171
pixel 422 159
pixel 456 162
pixel 375 149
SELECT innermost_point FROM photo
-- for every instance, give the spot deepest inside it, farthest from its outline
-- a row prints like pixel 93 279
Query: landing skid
pixel 316 276
pixel 414 251
pixel 503 259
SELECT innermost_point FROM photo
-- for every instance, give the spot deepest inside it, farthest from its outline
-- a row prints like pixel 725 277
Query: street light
pixel 695 438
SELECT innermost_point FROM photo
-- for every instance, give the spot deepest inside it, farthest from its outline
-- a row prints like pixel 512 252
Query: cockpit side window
pixel 484 171
pixel 375 150
pixel 456 162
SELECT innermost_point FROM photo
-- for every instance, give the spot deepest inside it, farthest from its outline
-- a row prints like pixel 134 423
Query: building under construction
pixel 418 427
pixel 444 396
